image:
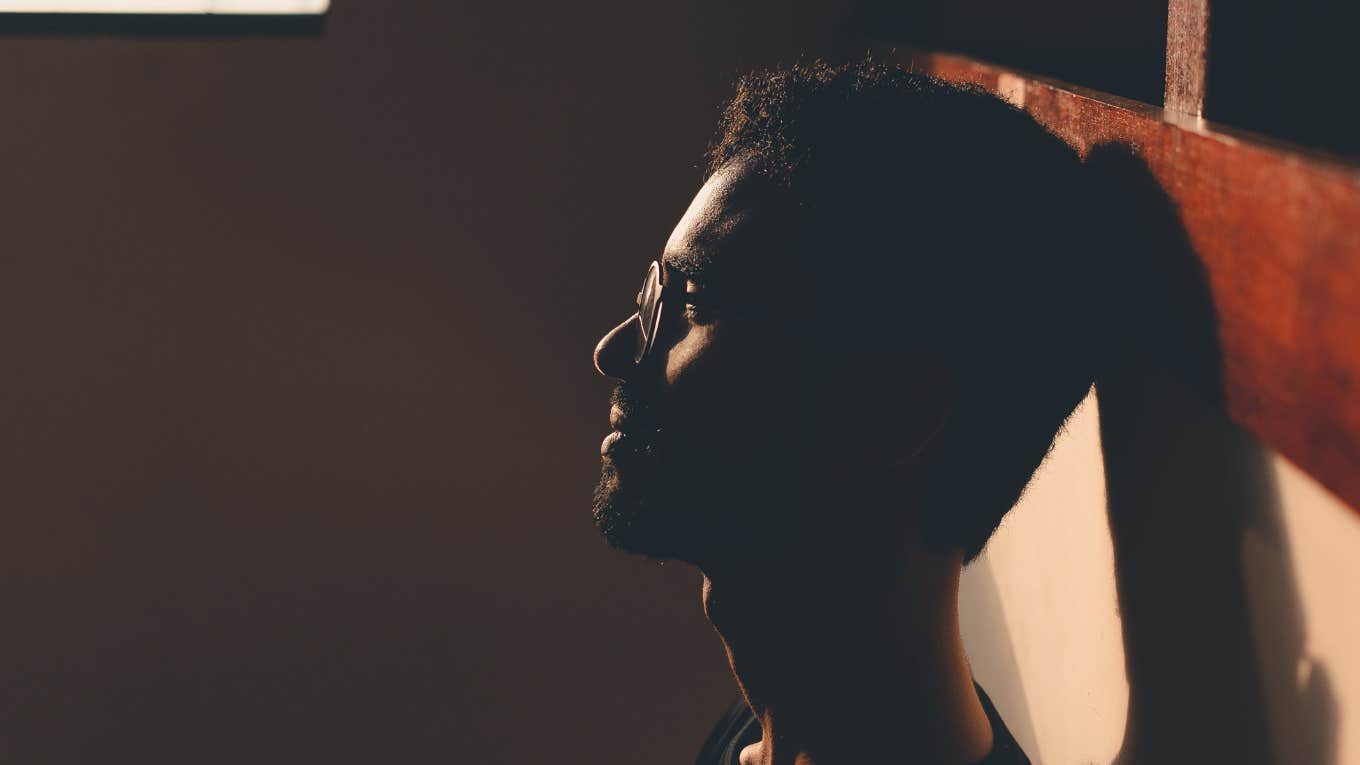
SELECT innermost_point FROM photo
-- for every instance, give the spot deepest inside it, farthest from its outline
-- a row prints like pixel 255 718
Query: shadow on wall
pixel 1213 631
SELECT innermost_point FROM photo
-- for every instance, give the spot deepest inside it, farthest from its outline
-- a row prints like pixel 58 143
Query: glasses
pixel 654 292
pixel 649 300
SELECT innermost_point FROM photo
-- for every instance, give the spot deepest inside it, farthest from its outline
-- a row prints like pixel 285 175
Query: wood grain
pixel 1187 33
pixel 1277 230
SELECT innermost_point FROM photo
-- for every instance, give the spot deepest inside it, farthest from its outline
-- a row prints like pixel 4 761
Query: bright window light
pixel 281 7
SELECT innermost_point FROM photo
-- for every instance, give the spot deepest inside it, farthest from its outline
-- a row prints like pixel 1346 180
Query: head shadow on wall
pixel 1213 631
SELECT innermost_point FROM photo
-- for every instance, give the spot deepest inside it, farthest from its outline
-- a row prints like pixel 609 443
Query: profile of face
pixel 715 429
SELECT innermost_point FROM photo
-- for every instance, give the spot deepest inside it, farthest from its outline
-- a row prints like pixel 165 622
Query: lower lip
pixel 610 443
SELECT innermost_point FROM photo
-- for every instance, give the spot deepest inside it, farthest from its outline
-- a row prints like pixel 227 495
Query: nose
pixel 614 353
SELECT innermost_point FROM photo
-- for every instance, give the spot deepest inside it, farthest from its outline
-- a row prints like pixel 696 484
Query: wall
pixel 300 421
pixel 1049 614
pixel 301 425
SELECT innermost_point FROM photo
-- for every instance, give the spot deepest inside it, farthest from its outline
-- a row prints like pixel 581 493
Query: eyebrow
pixel 691 265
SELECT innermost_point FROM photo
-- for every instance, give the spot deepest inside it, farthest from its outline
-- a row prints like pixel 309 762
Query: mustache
pixel 636 406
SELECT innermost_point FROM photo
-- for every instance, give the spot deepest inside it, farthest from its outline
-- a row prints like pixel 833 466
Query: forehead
pixel 738 227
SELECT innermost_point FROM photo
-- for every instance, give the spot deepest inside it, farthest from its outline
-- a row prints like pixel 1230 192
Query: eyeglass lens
pixel 649 305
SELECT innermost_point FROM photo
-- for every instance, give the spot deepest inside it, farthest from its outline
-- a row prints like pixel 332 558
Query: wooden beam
pixel 1187 35
pixel 1277 231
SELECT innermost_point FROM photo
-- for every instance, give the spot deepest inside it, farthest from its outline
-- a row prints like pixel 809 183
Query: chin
pixel 622 514
pixel 698 512
pixel 630 517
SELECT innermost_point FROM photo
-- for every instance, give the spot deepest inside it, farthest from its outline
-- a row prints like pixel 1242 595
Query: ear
pixel 891 406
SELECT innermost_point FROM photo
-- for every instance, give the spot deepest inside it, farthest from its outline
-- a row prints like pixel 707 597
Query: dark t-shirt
pixel 738 729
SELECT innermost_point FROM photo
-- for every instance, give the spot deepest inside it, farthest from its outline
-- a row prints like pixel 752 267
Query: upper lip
pixel 617 420
pixel 622 422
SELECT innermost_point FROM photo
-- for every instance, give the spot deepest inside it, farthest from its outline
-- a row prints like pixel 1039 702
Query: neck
pixel 846 663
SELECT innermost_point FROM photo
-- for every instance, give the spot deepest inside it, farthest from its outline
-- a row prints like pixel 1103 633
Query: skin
pixel 840 622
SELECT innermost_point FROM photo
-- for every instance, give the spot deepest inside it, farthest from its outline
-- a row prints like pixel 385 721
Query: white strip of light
pixel 262 7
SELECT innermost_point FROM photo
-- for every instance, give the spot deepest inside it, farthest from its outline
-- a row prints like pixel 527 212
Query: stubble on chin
pixel 638 511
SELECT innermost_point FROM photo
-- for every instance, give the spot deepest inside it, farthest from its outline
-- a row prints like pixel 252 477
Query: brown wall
pixel 300 424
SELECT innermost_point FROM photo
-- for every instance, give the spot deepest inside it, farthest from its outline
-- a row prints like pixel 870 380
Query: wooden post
pixel 1187 37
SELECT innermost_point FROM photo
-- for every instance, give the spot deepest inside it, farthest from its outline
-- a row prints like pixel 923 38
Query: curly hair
pixel 943 214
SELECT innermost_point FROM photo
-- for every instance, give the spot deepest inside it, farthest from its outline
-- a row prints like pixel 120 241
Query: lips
pixel 634 430
pixel 627 436
pixel 610 442
pixel 617 418
pixel 629 424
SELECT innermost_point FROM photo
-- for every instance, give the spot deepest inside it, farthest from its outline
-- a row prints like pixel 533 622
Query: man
pixel 858 345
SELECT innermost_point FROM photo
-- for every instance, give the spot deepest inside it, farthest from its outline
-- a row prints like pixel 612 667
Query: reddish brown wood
pixel 1278 232
pixel 1187 32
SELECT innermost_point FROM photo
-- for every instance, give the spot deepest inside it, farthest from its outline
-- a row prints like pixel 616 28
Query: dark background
pixel 301 420
pixel 301 423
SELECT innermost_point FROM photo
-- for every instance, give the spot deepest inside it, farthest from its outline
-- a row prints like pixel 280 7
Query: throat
pixel 850 671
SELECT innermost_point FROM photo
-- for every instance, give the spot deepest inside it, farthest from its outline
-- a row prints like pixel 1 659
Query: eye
pixel 696 294
pixel 698 308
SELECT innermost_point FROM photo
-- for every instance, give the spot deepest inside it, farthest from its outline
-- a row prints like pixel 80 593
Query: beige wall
pixel 1042 621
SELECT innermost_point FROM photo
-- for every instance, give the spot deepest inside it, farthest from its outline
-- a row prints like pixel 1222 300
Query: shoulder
pixel 737 729
pixel 1005 750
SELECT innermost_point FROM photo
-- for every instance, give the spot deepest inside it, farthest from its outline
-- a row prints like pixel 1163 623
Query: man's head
pixel 886 324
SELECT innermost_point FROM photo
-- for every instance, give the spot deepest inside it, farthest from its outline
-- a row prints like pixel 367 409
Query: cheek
pixel 734 386
pixel 688 359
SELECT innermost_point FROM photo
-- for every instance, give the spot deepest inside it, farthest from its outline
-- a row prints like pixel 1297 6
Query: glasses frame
pixel 655 292
pixel 651 300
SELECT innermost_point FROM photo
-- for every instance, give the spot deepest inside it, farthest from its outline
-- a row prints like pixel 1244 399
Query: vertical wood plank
pixel 1187 33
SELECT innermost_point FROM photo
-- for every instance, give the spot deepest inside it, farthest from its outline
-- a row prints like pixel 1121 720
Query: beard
pixel 671 494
